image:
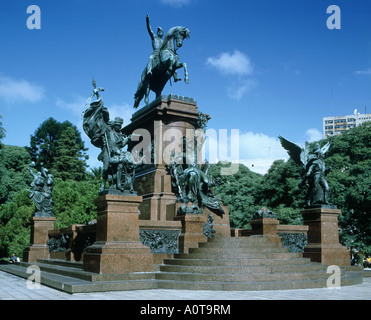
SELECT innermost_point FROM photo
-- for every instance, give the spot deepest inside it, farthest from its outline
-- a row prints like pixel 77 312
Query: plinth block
pixel 192 231
pixel 323 237
pixel 117 248
pixel 38 249
pixel 118 257
pixel 266 227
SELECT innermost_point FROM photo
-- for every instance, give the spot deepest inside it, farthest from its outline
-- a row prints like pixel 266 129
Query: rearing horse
pixel 167 63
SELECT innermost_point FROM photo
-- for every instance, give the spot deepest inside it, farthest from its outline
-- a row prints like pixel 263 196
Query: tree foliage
pixel 58 145
pixel 350 181
pixel 73 201
pixel 238 192
pixel 15 224
pixel 14 175
pixel 2 132
pixel 349 158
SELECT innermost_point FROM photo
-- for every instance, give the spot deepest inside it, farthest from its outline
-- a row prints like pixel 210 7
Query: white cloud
pixel 314 135
pixel 176 3
pixel 236 63
pixel 242 86
pixel 77 107
pixel 14 91
pixel 259 145
pixel 124 111
pixel 255 150
pixel 366 72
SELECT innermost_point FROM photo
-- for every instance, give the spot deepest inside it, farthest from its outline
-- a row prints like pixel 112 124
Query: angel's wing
pixel 94 83
pixel 294 151
pixel 325 148
pixel 305 154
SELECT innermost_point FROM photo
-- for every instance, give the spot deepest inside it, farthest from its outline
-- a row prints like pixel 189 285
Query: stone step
pixel 350 278
pixel 243 277
pixel 236 262
pixel 246 250
pixel 72 264
pixel 60 270
pixel 240 242
pixel 237 255
pixel 78 273
pixel 74 285
pixel 243 269
pixel 240 285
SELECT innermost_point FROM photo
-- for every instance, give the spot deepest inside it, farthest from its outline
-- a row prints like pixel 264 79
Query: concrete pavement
pixel 16 288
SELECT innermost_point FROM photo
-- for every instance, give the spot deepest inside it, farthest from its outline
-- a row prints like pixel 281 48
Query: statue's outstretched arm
pixel 151 34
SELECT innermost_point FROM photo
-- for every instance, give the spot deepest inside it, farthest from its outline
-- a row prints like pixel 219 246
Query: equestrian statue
pixel 163 62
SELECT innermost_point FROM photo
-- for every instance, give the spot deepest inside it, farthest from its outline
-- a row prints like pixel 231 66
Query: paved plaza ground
pixel 15 288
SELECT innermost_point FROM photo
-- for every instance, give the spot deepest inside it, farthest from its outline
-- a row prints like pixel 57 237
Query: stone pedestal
pixel 192 231
pixel 164 122
pixel 323 237
pixel 38 249
pixel 117 248
pixel 222 226
pixel 266 227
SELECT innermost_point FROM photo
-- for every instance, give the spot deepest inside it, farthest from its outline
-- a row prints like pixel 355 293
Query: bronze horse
pixel 164 67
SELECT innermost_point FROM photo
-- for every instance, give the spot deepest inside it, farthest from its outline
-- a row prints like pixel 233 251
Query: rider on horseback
pixel 157 43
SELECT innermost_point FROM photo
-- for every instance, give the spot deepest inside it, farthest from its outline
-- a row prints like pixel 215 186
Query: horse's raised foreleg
pixel 186 78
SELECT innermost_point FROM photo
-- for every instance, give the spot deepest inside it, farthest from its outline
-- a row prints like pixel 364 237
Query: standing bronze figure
pixel 106 134
pixel 313 170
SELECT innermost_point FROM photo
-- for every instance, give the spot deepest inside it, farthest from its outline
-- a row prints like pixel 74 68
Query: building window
pixel 340 121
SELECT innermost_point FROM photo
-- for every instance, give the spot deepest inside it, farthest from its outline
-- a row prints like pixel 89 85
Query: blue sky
pixel 266 67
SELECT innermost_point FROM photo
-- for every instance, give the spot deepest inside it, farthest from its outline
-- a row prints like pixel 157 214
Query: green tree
pixel 69 161
pixel 350 181
pixel 74 201
pixel 280 186
pixel 96 173
pixel 59 141
pixel 14 175
pixel 2 132
pixel 15 224
pixel 238 192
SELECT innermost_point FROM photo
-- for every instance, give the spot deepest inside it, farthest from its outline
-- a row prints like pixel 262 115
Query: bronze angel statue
pixel 313 170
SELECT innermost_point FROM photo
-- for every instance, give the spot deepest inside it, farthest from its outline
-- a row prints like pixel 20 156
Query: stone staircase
pixel 243 263
pixel 71 278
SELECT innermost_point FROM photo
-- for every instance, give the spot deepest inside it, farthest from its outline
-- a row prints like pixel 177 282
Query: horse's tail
pixel 141 89
pixel 138 96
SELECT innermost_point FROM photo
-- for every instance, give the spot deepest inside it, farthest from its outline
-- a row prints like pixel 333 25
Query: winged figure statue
pixel 313 169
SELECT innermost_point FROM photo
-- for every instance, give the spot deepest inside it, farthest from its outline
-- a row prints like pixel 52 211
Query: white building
pixel 336 125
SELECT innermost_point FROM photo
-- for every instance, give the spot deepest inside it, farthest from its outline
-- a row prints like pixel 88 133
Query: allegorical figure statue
pixel 191 182
pixel 315 176
pixel 163 62
pixel 313 170
pixel 41 191
pixel 106 134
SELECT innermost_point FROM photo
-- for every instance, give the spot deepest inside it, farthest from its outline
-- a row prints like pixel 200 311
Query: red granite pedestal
pixel 38 249
pixel 323 237
pixel 266 227
pixel 117 248
pixel 192 231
